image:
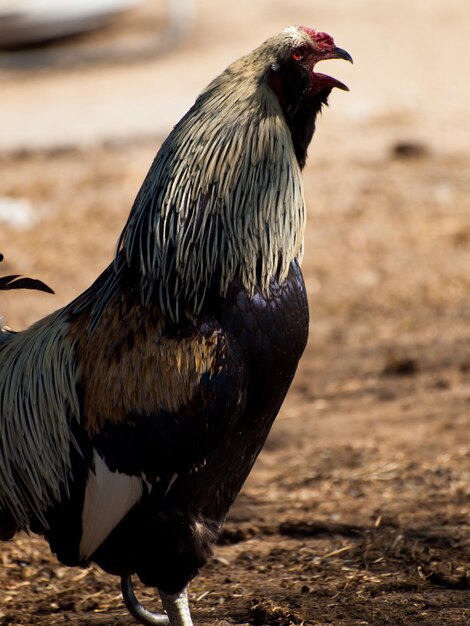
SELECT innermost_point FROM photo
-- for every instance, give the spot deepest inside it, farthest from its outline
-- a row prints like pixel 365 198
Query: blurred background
pixel 363 488
pixel 143 70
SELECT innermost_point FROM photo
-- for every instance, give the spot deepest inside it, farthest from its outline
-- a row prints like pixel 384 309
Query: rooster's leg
pixel 177 608
pixel 137 610
pixel 175 604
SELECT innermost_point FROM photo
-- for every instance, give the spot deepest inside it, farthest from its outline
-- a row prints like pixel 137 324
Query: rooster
pixel 131 418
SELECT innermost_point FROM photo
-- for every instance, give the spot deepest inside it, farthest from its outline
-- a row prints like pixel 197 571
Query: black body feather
pixel 166 540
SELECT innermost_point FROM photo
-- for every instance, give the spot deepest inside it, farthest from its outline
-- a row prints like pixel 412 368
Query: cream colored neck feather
pixel 223 198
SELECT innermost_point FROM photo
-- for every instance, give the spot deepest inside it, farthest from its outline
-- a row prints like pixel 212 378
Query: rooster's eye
pixel 298 54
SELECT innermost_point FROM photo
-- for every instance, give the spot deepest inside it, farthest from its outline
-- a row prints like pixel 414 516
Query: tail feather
pixel 39 402
pixel 36 366
pixel 15 281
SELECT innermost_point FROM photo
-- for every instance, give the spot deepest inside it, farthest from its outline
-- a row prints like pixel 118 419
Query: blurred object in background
pixel 17 212
pixel 29 27
pixel 32 22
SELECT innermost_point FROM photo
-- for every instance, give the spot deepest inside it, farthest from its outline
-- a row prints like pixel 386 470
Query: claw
pixel 176 605
pixel 137 610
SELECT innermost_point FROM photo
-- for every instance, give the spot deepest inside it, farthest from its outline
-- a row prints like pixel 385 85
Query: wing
pixel 156 400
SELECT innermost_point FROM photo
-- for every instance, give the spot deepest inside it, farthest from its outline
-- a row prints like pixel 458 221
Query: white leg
pixel 177 608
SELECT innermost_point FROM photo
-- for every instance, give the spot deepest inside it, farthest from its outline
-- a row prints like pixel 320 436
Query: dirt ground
pixel 357 512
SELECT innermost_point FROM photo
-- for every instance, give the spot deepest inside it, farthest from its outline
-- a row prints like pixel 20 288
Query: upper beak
pixel 336 53
pixel 339 53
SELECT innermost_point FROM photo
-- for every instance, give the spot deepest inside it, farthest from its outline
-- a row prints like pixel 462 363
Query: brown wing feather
pixel 132 366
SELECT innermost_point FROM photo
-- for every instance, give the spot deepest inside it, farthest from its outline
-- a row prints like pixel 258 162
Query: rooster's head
pixel 289 60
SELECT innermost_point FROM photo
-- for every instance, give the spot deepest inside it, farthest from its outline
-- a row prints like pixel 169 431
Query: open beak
pixel 335 53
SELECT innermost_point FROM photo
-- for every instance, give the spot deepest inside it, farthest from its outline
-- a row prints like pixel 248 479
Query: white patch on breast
pixel 109 496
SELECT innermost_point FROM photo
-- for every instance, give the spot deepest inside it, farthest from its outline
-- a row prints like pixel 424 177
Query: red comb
pixel 322 40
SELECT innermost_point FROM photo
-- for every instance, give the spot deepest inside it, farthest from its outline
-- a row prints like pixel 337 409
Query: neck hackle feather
pixel 223 199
